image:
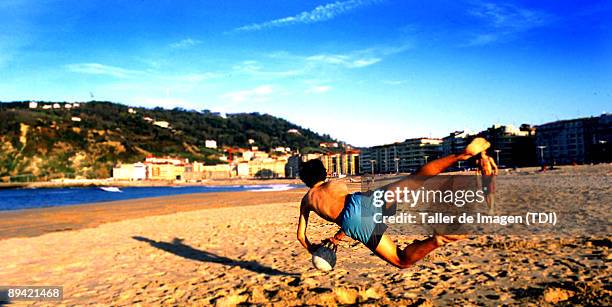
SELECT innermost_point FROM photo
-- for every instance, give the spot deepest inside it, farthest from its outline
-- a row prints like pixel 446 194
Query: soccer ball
pixel 324 258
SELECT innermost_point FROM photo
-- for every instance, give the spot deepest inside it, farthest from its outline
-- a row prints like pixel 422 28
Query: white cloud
pixel 101 69
pixel 258 94
pixel 185 43
pixel 254 68
pixel 505 20
pixel 395 82
pixel 360 58
pixel 319 89
pixel 509 16
pixel 364 62
pixel 318 14
pixel 348 61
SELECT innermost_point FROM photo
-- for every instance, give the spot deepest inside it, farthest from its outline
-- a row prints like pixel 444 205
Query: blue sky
pixel 366 72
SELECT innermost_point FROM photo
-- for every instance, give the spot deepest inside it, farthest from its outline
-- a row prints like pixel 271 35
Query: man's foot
pixel 444 239
pixel 477 146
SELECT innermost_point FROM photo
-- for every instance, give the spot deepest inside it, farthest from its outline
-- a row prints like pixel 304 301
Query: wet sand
pixel 231 253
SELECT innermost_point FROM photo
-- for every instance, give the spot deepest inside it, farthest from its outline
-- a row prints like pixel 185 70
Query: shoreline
pixel 85 183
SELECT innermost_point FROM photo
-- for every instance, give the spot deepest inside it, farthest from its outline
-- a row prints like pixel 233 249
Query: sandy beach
pixel 240 248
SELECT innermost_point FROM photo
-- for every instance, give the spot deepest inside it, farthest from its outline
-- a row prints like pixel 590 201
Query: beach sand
pixel 235 248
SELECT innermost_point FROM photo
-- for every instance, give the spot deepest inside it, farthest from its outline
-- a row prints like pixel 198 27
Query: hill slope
pixel 48 142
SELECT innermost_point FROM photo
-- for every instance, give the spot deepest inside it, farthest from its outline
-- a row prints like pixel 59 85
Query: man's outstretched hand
pixel 477 146
pixel 331 240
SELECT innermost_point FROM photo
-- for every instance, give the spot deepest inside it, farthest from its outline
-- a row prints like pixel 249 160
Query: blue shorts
pixel 357 220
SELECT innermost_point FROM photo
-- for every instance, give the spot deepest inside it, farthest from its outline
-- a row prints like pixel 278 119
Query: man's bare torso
pixel 485 166
pixel 327 200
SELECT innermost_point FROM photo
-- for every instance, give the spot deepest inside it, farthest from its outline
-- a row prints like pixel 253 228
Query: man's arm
pixel 337 237
pixel 494 165
pixel 303 223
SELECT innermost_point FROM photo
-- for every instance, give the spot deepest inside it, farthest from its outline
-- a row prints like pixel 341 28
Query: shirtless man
pixel 488 169
pixel 332 202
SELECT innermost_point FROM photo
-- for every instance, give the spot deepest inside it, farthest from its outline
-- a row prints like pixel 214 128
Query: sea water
pixel 16 199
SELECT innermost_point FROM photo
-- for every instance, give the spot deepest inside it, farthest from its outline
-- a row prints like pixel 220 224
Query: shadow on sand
pixel 178 248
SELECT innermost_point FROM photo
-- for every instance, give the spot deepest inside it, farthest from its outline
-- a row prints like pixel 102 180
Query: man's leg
pixel 439 165
pixel 388 251
pixel 491 203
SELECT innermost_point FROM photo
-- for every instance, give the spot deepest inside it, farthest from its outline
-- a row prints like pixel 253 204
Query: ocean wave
pixel 270 187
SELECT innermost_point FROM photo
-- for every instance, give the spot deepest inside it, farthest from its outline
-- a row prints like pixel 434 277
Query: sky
pixel 367 72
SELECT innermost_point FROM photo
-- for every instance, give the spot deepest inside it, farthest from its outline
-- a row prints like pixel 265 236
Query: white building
pixel 242 169
pixel 33 105
pixel 75 119
pixel 161 123
pixel 210 144
pixel 248 155
pixel 57 106
pixel 136 171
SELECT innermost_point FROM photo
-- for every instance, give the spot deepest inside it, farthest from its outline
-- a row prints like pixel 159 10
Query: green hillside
pixel 48 143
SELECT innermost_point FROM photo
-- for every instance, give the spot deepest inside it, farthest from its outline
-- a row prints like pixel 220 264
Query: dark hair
pixel 312 171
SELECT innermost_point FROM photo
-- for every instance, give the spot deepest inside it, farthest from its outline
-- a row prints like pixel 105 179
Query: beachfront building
pixel 242 169
pixel 166 168
pixel 400 157
pixel 292 167
pixel 581 140
pixel 249 155
pixel 511 146
pixel 135 171
pixel 199 171
pixel 268 167
pixel 414 153
pixel 165 172
pixel 341 163
pixel 215 171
